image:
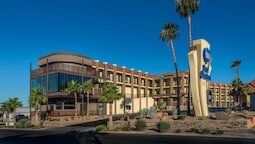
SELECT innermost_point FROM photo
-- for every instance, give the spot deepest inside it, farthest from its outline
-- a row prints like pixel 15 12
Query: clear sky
pixel 104 30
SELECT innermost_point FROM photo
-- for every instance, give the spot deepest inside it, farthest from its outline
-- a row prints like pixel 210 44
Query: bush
pixel 23 123
pixel 118 128
pixel 181 117
pixel 178 131
pixel 218 132
pixel 193 130
pixel 205 131
pixel 101 128
pixel 140 125
pixel 38 127
pixel 163 126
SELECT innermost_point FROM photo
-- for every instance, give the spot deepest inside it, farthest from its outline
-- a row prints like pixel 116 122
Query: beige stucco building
pixel 140 89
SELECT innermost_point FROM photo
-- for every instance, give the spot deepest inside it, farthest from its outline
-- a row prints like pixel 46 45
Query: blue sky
pixel 105 29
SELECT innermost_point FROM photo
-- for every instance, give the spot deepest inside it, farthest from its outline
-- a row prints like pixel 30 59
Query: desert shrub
pixel 118 128
pixel 143 113
pixel 23 123
pixel 140 125
pixel 151 113
pixel 205 131
pixel 101 128
pixel 218 132
pixel 178 131
pixel 38 127
pixel 127 127
pixel 181 117
pixel 163 126
pixel 148 113
pixel 193 130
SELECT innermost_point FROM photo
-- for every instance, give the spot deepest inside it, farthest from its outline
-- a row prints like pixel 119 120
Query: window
pixel 150 83
pixel 157 83
pixel 119 77
pixel 136 80
pixel 128 79
pixel 142 82
pixel 110 76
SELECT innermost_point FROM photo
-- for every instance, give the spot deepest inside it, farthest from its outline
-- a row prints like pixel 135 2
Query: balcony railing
pixel 65 67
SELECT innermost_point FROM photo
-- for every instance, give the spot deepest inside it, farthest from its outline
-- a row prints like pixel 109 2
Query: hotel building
pixel 140 89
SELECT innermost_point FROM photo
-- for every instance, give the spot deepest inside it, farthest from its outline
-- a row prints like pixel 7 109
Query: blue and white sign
pixel 205 72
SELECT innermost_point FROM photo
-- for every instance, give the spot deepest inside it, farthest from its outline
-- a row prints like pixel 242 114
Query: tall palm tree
pixel 6 108
pixel 73 88
pixel 14 104
pixel 185 8
pixel 235 65
pixel 36 99
pixel 109 95
pixel 169 33
pixel 86 88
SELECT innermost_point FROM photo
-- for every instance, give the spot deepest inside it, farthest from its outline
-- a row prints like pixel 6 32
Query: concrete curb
pixel 179 134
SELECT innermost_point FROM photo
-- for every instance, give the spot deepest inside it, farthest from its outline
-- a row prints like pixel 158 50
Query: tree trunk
pixel 190 44
pixel 189 97
pixel 110 118
pixel 75 104
pixel 36 117
pixel 190 31
pixel 87 103
pixel 8 119
pixel 14 115
pixel 176 71
pixel 82 105
pixel 237 89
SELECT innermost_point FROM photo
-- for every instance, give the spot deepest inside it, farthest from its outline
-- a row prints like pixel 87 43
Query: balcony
pixel 60 67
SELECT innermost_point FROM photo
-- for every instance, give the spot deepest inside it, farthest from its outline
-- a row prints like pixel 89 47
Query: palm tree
pixel 185 8
pixel 169 33
pixel 73 88
pixel 86 88
pixel 109 95
pixel 14 104
pixel 6 108
pixel 235 65
pixel 36 99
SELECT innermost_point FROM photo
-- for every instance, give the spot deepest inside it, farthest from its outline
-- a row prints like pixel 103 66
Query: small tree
pixel 73 88
pixel 240 90
pixel 109 95
pixel 36 99
pixel 161 106
pixel 86 88
pixel 10 106
pixel 14 104
pixel 6 108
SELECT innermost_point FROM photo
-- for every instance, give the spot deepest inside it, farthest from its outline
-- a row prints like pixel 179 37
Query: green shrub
pixel 193 130
pixel 218 132
pixel 205 131
pixel 163 126
pixel 101 128
pixel 140 125
pixel 181 117
pixel 118 128
pixel 37 127
pixel 23 123
pixel 178 131
pixel 18 125
pixel 127 127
